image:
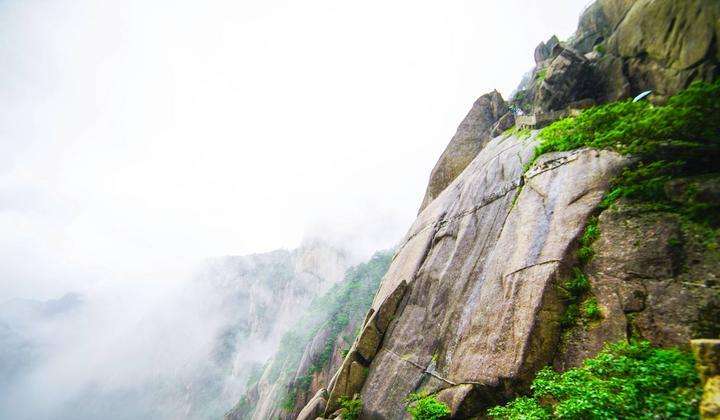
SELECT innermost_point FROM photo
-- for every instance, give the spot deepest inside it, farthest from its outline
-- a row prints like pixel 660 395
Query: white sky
pixel 139 135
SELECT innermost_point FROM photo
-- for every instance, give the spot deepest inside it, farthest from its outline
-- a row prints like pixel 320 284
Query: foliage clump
pixel 426 407
pixel 678 139
pixel 350 408
pixel 625 380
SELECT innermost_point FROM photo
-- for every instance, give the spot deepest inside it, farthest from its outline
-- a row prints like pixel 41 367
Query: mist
pixel 142 139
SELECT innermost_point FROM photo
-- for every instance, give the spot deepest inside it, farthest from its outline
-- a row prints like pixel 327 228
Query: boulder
pixel 568 78
pixel 707 355
pixel 544 50
pixel 481 263
pixel 471 136
pixel 315 407
pixel 666 44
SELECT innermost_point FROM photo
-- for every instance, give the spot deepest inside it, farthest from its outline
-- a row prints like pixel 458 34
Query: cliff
pixel 313 346
pixel 260 296
pixel 528 253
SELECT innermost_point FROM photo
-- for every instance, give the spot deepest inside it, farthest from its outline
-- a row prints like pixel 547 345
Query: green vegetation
pixel 592 232
pixel 540 75
pixel 600 48
pixel 591 310
pixel 573 291
pixel 426 407
pixel 626 380
pixel 519 133
pixel 350 408
pixel 678 140
pixel 342 307
pixel 288 402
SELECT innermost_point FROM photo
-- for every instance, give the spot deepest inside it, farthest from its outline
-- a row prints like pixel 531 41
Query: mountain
pixel 237 308
pixel 313 348
pixel 261 296
pixel 533 249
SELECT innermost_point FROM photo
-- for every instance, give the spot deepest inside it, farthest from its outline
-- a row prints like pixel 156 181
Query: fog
pixel 140 138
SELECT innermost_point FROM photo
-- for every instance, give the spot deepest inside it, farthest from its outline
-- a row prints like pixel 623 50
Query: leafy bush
pixel 625 380
pixel 426 407
pixel 572 291
pixel 591 310
pixel 350 408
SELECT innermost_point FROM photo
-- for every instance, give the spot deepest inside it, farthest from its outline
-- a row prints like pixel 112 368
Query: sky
pixel 140 136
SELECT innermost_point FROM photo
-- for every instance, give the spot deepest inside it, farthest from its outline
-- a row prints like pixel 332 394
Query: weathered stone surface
pixel 481 271
pixel 315 407
pixel 471 136
pixel 461 399
pixel 348 381
pixel 368 341
pixel 568 78
pixel 544 50
pixel 710 403
pixel 598 22
pixel 652 279
pixel 707 355
pixel 505 122
pixel 386 310
pixel 612 84
pixel 666 44
pixel 631 46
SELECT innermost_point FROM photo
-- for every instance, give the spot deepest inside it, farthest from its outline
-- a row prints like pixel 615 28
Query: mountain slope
pixel 484 289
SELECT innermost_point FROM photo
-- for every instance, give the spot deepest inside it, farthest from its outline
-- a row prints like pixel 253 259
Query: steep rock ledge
pixel 480 265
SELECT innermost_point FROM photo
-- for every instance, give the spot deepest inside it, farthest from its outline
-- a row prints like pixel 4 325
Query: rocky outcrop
pixel 471 136
pixel 260 296
pixel 480 264
pixel 568 78
pixel 544 50
pixel 667 44
pixel 624 47
pixel 315 407
pixel 293 382
pixel 472 304
pixel 707 355
pixel 653 279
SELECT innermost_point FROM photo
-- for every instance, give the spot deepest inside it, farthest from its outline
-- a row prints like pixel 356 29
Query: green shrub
pixel 426 407
pixel 350 408
pixel 573 291
pixel 540 75
pixel 288 402
pixel 591 310
pixel 625 380
pixel 591 233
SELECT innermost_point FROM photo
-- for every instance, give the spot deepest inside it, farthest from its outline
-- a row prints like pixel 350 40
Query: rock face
pixel 471 306
pixel 652 279
pixel 624 47
pixel 568 78
pixel 472 134
pixel 293 381
pixel 480 265
pixel 260 295
pixel 667 44
pixel 707 354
